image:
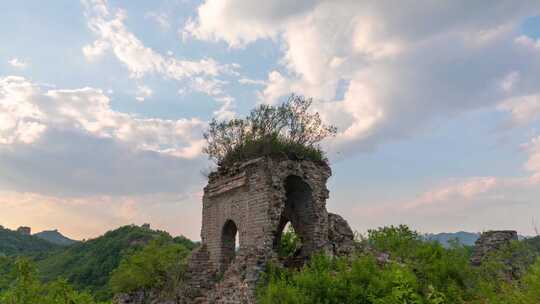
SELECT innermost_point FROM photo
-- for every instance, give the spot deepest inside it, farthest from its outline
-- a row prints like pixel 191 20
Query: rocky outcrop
pixel 491 241
pixel 340 235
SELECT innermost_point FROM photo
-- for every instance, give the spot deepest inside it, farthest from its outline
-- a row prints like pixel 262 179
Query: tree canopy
pixel 287 129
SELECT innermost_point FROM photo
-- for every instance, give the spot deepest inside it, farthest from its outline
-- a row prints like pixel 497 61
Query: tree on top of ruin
pixel 289 129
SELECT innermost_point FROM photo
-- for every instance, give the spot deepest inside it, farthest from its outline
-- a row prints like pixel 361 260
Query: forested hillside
pixel 14 243
pixel 462 237
pixel 88 265
pixel 55 237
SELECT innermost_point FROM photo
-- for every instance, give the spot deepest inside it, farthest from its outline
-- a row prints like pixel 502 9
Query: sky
pixel 103 103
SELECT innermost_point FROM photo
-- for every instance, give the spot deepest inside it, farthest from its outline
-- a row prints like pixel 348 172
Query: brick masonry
pixel 255 200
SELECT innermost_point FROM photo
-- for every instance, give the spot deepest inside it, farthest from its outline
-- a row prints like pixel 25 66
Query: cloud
pixel 112 34
pixel 523 109
pixel 30 110
pixel 471 203
pixel 487 188
pixel 143 92
pixel 18 63
pixel 381 71
pixel 251 81
pixel 95 50
pixel 510 81
pixel 533 162
pixel 162 19
pixel 528 42
pixel 70 142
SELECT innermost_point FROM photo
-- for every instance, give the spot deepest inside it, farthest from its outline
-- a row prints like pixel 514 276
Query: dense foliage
pixel 534 242
pixel 25 288
pixel 158 270
pixel 88 265
pixel 287 129
pixel 14 243
pixel 418 271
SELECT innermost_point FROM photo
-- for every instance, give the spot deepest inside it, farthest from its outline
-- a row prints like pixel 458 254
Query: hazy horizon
pixel 103 103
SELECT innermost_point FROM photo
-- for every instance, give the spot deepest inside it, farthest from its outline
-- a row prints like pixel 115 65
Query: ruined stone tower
pixel 254 200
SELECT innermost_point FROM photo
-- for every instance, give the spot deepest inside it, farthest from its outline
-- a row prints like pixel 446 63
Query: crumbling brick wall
pixel 255 200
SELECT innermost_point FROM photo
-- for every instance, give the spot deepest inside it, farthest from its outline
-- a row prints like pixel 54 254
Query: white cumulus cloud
pixel 143 92
pixel 18 63
pixel 112 34
pixel 383 69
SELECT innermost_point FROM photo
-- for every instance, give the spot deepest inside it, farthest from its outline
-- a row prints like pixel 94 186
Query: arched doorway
pixel 299 212
pixel 229 243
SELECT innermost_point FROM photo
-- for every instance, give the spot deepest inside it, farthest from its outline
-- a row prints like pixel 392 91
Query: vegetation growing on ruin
pixel 417 271
pixel 289 129
pixel 290 243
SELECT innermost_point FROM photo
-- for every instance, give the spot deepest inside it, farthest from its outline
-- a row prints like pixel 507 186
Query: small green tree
pixel 27 289
pixel 289 243
pixel 269 130
pixel 159 267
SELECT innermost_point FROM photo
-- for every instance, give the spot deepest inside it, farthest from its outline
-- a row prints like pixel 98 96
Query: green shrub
pixel 327 280
pixel 25 288
pixel 284 130
pixel 159 267
pixel 419 271
pixel 290 242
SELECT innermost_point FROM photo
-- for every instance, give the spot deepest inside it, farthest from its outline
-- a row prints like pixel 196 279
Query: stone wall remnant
pixel 252 202
pixel 491 241
pixel 24 230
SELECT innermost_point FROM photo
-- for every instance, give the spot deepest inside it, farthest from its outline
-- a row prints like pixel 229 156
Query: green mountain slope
pixel 55 237
pixel 14 243
pixel 463 238
pixel 88 264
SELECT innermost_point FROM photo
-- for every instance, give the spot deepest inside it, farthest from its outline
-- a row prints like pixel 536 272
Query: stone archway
pixel 300 212
pixel 229 234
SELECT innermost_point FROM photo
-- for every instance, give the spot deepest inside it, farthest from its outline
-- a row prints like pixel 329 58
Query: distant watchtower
pixel 254 200
pixel 24 230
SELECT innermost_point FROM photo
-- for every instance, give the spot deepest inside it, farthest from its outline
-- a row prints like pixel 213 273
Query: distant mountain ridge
pixel 462 237
pixel 16 243
pixel 55 237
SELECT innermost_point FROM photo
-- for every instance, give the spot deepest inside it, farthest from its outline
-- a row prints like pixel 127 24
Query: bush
pixel 419 271
pixel 27 289
pixel 269 130
pixel 158 268
pixel 326 280
pixel 290 242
